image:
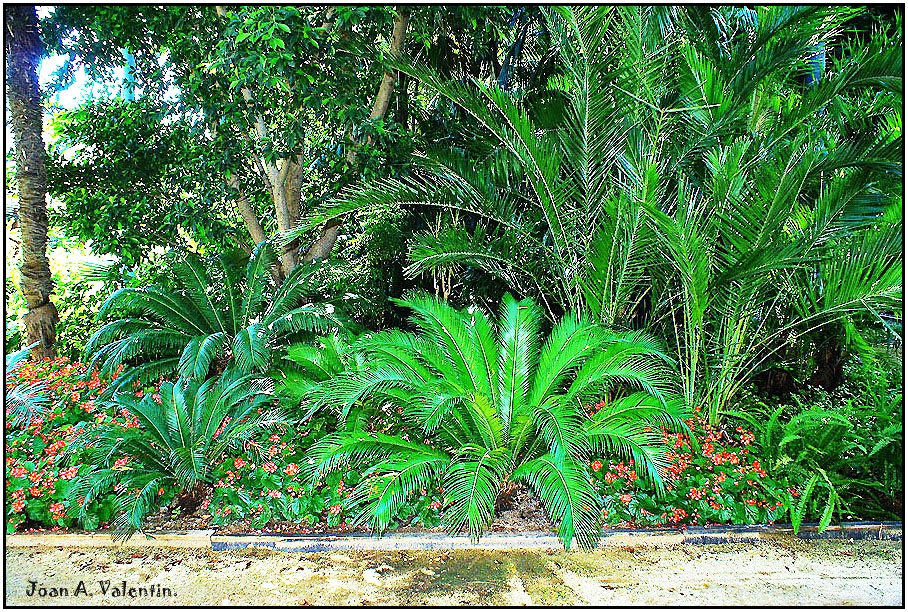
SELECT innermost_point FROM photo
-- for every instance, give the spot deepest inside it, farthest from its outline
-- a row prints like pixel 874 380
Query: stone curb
pixel 197 538
pixel 500 541
pixel 208 538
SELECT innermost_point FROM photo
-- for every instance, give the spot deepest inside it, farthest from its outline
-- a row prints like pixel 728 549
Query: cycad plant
pixel 488 405
pixel 182 432
pixel 213 316
pixel 698 172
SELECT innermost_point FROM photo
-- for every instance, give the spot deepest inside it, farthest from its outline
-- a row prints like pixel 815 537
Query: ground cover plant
pixel 268 483
pixel 713 477
pixel 39 484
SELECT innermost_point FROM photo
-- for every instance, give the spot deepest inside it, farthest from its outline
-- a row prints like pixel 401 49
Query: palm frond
pixel 565 490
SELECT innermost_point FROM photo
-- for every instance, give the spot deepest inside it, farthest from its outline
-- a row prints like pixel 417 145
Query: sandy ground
pixel 782 572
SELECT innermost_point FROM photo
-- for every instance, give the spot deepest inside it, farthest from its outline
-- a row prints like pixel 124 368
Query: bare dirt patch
pixel 783 572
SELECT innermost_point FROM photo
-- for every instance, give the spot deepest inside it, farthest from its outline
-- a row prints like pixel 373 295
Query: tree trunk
pixel 275 175
pixel 323 245
pixel 23 51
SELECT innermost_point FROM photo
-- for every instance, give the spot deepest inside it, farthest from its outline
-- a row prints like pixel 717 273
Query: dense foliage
pixel 713 478
pixel 276 235
pixel 39 485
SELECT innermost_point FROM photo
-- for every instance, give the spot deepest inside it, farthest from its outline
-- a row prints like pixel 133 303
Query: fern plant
pixel 830 448
pixel 488 405
pixel 181 436
pixel 213 315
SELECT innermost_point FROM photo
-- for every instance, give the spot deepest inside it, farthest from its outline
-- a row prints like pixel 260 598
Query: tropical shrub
pixel 39 483
pixel 180 434
pixel 487 406
pixel 212 318
pixel 843 449
pixel 713 477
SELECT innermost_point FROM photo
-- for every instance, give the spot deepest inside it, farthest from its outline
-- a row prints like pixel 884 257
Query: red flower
pixel 626 498
pixel 18 472
pixel 238 463
pixel 269 467
pixel 336 509
pixel 18 505
pixel 292 469
pixel 435 505
pixel 69 472
pixel 58 511
pixel 596 465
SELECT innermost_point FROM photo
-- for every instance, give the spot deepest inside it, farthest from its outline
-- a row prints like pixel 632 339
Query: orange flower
pixel 58 511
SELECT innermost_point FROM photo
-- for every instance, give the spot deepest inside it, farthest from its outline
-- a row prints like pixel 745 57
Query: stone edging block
pixel 209 538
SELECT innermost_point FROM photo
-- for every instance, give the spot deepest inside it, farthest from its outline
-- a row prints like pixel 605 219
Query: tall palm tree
pixel 486 405
pixel 23 51
pixel 683 180
pixel 213 317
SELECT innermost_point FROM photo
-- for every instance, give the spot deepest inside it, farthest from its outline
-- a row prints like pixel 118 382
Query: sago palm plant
pixel 214 314
pixel 182 432
pixel 488 405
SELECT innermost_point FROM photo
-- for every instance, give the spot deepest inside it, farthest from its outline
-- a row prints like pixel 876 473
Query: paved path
pixel 781 572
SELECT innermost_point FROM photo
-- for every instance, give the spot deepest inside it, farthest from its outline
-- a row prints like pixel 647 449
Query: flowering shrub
pixel 714 480
pixel 267 482
pixel 38 482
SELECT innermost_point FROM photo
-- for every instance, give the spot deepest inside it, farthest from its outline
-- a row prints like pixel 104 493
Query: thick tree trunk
pixel 23 51
pixel 322 247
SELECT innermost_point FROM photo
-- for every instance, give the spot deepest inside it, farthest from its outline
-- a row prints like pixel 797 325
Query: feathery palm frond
pixel 213 316
pixel 692 183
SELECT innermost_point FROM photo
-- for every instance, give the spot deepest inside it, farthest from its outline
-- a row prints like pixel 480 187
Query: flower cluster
pixel 267 481
pixel 710 479
pixel 39 480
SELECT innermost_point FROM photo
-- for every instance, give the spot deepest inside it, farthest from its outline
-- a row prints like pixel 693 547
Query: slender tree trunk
pixel 23 51
pixel 323 245
pixel 275 175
